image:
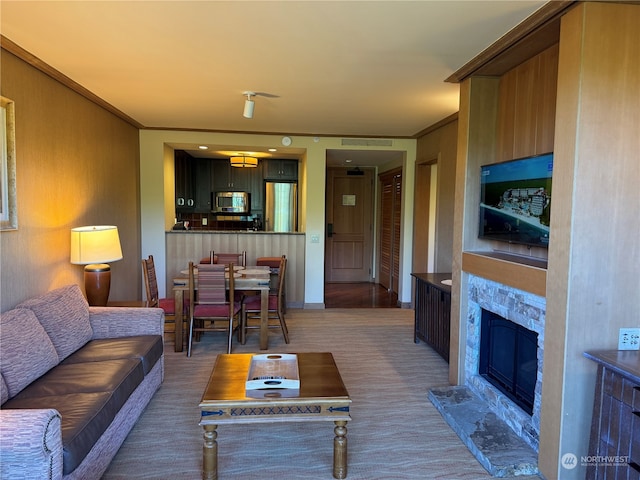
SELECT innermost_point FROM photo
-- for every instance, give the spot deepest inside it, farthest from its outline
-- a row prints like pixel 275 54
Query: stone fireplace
pixel 524 309
pixel 500 434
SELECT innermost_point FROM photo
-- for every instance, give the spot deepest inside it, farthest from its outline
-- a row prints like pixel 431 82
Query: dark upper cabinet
pixel 192 183
pixel 225 178
pixel 202 185
pixel 197 178
pixel 281 170
pixel 185 197
pixel 256 187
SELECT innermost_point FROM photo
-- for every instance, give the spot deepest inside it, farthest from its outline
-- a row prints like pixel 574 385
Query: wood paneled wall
pixel 183 248
pixel 76 164
pixel 527 106
pixel 594 259
pixel 437 145
pixel 591 282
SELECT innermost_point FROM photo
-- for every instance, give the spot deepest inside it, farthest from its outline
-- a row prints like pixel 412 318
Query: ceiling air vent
pixel 367 142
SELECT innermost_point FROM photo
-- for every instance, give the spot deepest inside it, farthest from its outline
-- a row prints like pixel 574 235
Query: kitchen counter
pixel 184 246
pixel 234 232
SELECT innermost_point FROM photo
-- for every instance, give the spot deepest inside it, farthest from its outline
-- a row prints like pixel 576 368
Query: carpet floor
pixel 395 431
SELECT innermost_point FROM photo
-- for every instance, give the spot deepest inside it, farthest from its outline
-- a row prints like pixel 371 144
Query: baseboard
pixel 314 306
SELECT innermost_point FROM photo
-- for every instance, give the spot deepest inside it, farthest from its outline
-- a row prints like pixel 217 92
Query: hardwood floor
pixel 358 295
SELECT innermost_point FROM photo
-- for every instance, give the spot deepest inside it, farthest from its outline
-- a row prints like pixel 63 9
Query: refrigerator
pixel 281 207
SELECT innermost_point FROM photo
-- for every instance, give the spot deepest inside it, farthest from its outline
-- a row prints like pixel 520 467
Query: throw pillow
pixel 27 352
pixel 64 314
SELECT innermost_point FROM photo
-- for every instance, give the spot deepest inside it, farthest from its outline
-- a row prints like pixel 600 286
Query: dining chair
pixel 209 302
pixel 274 264
pixel 152 296
pixel 226 258
pixel 251 308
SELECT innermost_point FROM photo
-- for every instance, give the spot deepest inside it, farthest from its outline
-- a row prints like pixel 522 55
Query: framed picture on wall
pixel 8 207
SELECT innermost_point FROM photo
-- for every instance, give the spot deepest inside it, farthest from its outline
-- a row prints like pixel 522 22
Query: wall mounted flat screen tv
pixel 515 200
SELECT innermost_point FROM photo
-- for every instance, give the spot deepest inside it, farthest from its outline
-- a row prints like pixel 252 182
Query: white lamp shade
pixel 248 108
pixel 95 244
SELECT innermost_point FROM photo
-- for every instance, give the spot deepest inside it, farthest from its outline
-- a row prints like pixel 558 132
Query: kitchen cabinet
pixel 225 178
pixel 184 189
pixel 202 185
pixel 281 170
pixel 192 183
pixel 256 188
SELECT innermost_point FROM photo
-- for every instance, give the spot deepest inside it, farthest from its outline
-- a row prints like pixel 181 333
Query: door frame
pixel 372 238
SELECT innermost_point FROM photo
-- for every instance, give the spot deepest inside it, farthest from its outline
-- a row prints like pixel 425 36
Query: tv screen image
pixel 515 200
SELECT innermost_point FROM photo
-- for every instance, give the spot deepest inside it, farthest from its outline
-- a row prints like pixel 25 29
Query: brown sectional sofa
pixel 75 379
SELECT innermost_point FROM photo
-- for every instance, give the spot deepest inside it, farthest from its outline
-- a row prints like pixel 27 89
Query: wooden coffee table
pixel 322 397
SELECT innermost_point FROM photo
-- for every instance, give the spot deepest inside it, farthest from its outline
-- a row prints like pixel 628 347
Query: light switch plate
pixel 629 339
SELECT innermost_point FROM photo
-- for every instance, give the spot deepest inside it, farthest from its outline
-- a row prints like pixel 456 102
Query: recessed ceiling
pixel 329 68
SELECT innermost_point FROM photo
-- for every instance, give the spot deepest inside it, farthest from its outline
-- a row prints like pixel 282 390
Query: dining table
pixel 246 279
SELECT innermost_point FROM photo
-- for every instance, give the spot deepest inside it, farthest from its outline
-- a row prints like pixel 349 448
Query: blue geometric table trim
pixel 295 410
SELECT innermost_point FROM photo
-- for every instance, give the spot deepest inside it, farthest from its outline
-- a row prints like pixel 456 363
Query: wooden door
pixel 349 213
pixel 390 224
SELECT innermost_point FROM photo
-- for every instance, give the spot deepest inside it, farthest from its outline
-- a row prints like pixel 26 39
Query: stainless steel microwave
pixel 231 202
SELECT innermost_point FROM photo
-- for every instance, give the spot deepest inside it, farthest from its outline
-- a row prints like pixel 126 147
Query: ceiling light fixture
pixel 248 105
pixel 243 161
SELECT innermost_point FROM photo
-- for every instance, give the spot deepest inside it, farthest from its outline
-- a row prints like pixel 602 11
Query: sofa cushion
pixel 88 397
pixel 64 314
pixel 147 348
pixel 4 390
pixel 27 352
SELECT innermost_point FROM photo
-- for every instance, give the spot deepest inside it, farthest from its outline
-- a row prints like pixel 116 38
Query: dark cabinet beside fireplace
pixel 433 311
pixel 615 426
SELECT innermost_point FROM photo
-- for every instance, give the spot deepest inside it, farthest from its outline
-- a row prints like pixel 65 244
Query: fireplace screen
pixel 509 358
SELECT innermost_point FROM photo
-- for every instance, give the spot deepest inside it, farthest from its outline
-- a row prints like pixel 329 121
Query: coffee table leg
pixel 210 453
pixel 340 450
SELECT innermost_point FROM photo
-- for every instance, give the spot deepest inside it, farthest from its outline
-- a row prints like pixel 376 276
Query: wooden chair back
pixel 211 283
pixel 277 307
pixel 150 281
pixel 281 284
pixel 209 300
pixel 225 258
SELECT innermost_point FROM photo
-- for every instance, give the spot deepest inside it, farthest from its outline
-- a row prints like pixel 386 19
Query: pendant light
pixel 243 161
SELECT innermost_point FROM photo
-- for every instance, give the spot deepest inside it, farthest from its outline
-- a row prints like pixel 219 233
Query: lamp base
pixel 97 283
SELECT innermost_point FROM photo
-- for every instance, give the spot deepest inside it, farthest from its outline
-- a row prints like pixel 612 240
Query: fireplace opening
pixel 509 358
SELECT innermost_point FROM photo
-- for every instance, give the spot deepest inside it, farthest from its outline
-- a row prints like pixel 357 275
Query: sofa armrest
pixel 113 322
pixel 30 444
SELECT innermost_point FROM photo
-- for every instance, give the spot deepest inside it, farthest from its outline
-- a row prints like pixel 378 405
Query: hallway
pixel 358 295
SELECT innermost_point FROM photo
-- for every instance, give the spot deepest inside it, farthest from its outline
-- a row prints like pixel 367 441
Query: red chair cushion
pixel 253 303
pixel 273 262
pixel 168 305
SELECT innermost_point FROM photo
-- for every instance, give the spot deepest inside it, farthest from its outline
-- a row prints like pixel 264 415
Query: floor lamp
pixel 94 246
